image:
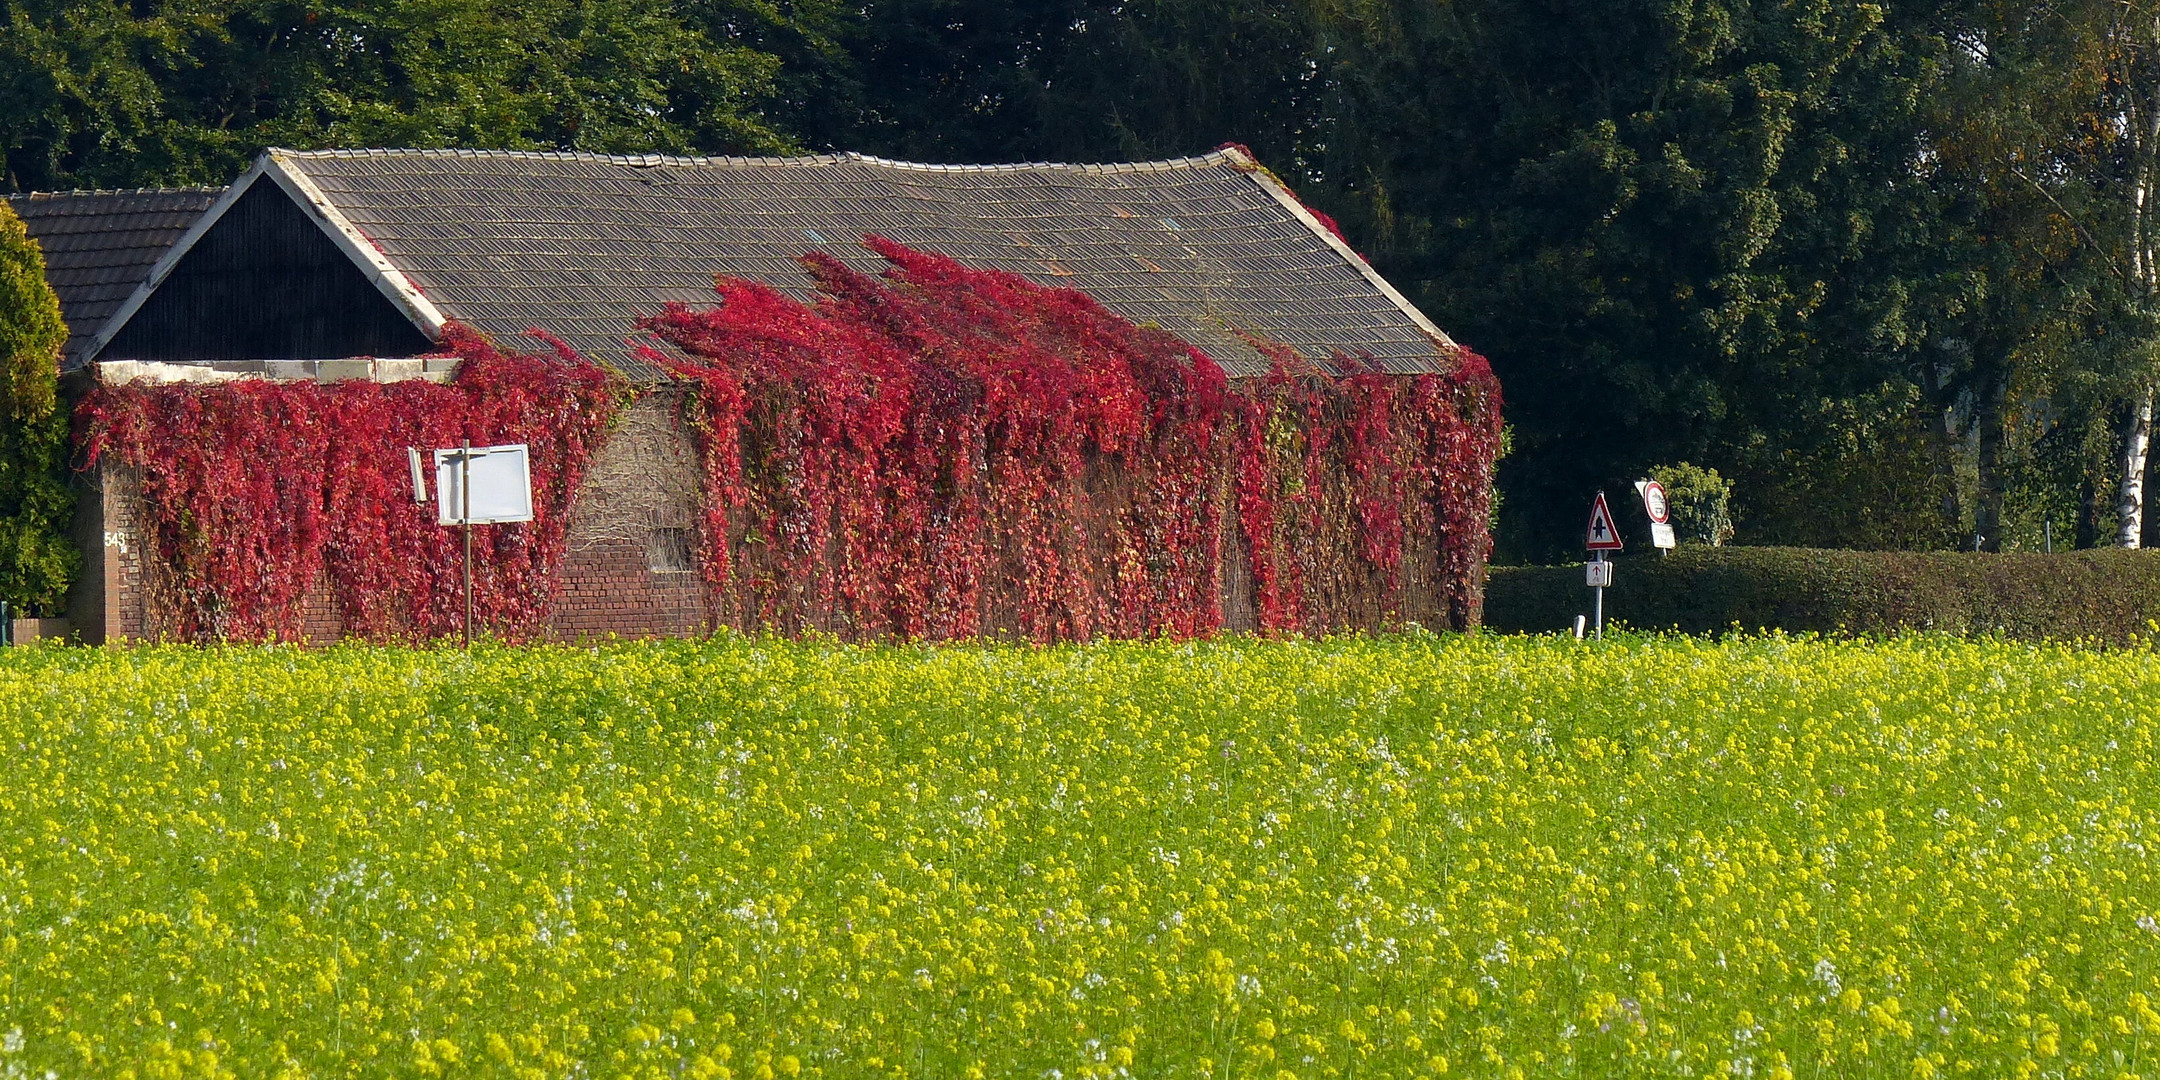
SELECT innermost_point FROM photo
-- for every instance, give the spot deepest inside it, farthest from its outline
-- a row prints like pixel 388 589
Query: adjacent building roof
pixel 100 245
pixel 581 245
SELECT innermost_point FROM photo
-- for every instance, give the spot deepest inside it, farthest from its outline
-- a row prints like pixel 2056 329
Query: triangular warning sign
pixel 1602 536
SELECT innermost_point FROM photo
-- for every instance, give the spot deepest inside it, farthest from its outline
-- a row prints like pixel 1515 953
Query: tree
pixel 2119 138
pixel 1075 80
pixel 37 559
pixel 1682 230
pixel 2050 130
pixel 1999 278
pixel 95 93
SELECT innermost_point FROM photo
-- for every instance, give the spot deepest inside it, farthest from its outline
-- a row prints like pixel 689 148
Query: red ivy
pixel 920 456
pixel 944 452
pixel 254 490
pixel 937 452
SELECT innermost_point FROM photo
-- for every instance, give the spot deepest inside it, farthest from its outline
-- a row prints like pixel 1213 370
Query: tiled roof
pixel 99 245
pixel 582 245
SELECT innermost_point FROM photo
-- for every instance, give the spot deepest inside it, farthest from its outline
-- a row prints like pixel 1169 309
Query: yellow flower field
pixel 1405 856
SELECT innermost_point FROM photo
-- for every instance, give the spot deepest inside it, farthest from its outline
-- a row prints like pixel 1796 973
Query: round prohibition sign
pixel 1653 500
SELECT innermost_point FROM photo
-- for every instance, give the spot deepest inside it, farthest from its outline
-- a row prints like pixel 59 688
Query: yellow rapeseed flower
pixel 1393 856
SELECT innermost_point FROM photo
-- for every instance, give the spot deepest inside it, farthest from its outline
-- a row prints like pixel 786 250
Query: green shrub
pixel 2110 595
pixel 1699 503
pixel 37 559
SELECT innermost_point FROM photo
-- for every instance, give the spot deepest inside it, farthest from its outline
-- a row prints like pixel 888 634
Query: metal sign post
pixel 493 485
pixel 465 516
pixel 1600 538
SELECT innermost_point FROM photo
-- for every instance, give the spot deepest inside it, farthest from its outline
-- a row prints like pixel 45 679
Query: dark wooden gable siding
pixel 265 283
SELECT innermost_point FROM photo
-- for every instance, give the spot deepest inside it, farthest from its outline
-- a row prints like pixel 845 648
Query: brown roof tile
pixel 99 245
pixel 583 245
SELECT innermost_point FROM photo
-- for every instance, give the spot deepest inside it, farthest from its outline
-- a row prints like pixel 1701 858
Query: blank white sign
pixel 501 485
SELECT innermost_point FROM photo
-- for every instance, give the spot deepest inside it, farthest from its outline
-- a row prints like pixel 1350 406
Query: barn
pixel 1343 479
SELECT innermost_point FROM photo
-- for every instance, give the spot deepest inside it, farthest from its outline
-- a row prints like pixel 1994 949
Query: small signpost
pixel 1600 538
pixel 1653 503
pixel 476 485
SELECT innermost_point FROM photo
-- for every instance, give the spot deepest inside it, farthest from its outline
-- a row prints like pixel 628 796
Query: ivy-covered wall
pixel 943 452
pixel 249 497
pixel 936 453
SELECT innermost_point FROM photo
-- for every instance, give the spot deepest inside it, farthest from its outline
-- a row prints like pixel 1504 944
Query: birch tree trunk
pixel 2130 497
pixel 2142 125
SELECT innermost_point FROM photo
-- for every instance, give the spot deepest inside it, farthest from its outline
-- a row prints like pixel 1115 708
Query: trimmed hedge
pixel 2109 595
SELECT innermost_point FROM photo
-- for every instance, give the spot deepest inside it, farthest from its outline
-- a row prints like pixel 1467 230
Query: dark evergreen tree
pixel 37 558
pixel 1683 231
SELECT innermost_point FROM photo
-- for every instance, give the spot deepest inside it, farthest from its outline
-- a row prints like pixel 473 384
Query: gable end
pixel 263 281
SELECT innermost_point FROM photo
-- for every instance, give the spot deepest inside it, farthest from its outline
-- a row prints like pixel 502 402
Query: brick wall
pixel 610 589
pixel 108 601
pixel 644 481
pixel 642 487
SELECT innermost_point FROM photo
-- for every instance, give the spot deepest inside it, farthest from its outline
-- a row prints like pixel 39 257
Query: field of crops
pixel 1476 856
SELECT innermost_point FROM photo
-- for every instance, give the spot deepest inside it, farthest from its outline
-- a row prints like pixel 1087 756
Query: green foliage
pixel 2107 595
pixel 1699 230
pixel 1414 856
pixel 1866 474
pixel 1680 229
pixel 37 560
pixel 1077 80
pixel 101 94
pixel 1699 503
